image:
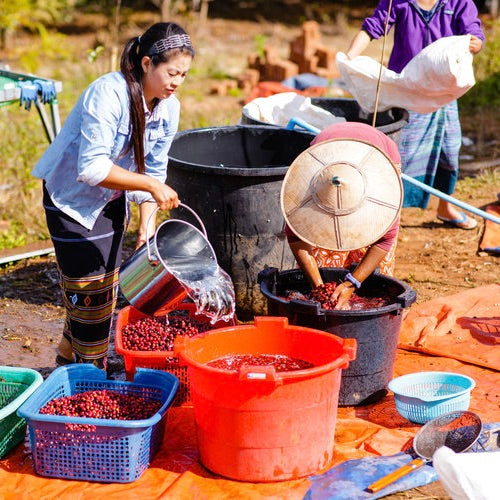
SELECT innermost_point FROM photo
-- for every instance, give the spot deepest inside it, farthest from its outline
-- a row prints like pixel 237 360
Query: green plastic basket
pixel 16 385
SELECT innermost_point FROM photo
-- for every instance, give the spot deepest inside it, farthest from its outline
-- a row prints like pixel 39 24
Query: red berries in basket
pixel 158 333
pixel 104 404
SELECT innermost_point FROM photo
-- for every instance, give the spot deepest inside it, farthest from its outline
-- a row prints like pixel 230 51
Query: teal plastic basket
pixel 16 385
pixel 422 396
pixel 91 449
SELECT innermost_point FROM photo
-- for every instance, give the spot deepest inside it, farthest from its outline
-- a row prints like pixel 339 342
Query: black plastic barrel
pixel 390 122
pixel 375 330
pixel 231 176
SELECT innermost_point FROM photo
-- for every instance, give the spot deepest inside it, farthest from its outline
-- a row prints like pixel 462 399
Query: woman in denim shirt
pixel 115 140
pixel 430 143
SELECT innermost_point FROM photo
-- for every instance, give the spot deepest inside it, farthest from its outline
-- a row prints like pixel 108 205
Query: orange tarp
pixel 375 429
pixel 464 326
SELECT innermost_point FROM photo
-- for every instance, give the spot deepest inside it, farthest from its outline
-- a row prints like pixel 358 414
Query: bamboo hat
pixel 341 194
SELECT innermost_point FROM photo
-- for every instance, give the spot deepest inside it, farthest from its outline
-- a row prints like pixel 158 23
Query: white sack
pixel 279 109
pixel 439 74
pixel 468 476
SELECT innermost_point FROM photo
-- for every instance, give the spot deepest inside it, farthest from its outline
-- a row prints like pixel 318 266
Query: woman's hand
pixel 165 196
pixel 475 44
pixel 340 297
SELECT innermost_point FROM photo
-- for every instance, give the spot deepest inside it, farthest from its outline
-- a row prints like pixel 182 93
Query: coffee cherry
pixel 102 404
pixel 153 333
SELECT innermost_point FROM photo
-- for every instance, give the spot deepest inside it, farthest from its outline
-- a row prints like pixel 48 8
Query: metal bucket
pixel 154 278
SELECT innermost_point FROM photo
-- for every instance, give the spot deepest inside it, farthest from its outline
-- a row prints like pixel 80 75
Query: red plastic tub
pixel 158 360
pixel 258 424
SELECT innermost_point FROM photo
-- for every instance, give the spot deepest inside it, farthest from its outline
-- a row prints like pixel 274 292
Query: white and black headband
pixel 171 42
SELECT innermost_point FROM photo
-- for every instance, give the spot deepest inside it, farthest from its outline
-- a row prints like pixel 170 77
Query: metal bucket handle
pixel 196 216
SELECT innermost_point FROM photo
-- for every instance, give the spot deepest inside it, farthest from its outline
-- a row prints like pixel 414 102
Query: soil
pixel 433 259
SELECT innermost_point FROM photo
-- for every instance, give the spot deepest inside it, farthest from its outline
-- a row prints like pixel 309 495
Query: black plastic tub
pixel 231 177
pixel 375 330
pixel 389 122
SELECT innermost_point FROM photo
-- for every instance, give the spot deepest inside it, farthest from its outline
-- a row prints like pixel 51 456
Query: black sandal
pixel 62 361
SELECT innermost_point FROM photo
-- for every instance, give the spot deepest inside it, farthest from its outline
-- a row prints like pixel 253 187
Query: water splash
pixel 212 293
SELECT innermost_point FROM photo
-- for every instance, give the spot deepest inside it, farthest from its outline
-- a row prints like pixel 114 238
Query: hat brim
pixel 364 226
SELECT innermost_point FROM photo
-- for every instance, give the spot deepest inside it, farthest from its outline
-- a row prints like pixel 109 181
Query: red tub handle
pixel 267 373
pixel 180 343
pixel 350 348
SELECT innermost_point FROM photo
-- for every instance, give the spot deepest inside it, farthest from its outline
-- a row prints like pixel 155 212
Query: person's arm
pixel 358 44
pixel 370 261
pixel 475 44
pixel 156 161
pixel 145 211
pixel 302 252
pixel 122 179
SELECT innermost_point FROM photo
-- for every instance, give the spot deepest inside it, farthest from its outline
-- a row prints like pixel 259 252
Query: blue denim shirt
pixel 94 134
pixel 412 32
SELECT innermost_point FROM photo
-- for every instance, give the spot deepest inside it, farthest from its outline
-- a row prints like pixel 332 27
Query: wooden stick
pixel 394 476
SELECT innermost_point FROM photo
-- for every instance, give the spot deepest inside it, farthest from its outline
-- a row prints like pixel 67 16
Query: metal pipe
pixel 56 120
pixel 45 121
pixel 301 123
pixel 446 197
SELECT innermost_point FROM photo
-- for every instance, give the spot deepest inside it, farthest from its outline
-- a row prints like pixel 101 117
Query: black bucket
pixel 390 122
pixel 375 330
pixel 231 176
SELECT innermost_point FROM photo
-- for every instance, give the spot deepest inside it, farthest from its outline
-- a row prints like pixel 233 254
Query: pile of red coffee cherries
pixel 158 333
pixel 323 295
pixel 103 404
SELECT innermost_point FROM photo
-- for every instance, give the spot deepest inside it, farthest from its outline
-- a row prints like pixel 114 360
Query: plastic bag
pixel 439 74
pixel 280 108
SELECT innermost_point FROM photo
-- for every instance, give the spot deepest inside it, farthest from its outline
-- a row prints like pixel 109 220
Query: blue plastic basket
pixel 16 385
pixel 96 449
pixel 422 396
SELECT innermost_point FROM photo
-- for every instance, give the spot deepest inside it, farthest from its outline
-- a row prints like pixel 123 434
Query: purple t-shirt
pixel 412 33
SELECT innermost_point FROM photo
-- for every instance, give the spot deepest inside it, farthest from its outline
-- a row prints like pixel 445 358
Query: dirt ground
pixel 433 259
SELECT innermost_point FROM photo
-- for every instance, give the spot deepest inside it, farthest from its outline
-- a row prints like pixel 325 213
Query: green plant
pixel 486 92
pixel 215 72
pixel 260 44
pixel 30 14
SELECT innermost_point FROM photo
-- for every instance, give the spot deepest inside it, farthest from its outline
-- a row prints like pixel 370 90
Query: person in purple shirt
pixel 430 142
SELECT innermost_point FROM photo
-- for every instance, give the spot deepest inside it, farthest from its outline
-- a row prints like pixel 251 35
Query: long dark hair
pixel 130 66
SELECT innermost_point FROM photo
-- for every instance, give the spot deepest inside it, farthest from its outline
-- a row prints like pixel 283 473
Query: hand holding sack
pixel 441 73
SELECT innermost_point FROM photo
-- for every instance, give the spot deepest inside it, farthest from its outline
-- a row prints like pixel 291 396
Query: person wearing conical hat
pixel 341 200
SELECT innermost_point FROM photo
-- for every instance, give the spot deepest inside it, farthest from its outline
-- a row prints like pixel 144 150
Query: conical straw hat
pixel 341 194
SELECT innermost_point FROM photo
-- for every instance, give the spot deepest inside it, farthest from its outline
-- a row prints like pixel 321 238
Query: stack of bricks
pixel 307 55
pixel 271 67
pixel 310 55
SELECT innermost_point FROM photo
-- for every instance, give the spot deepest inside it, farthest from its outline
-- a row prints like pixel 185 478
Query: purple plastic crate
pixel 92 449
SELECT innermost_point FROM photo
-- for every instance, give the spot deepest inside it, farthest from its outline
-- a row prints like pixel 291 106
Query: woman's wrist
pixel 351 279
